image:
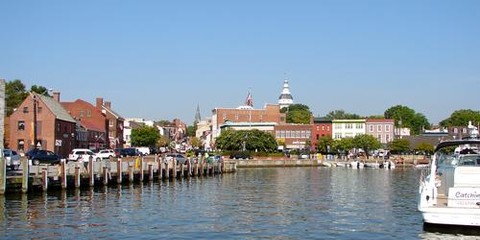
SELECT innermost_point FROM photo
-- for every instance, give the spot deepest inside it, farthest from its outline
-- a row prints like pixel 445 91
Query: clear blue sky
pixel 159 59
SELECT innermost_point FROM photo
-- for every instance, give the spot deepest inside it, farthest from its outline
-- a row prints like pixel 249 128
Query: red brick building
pixel 115 124
pixel 271 113
pixel 42 121
pixel 92 130
pixel 321 128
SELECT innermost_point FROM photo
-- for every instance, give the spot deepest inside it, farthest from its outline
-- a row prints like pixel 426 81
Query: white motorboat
pixel 357 164
pixel 449 190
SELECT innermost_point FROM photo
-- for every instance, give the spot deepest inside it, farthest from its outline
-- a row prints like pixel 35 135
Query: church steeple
pixel 285 98
pixel 198 118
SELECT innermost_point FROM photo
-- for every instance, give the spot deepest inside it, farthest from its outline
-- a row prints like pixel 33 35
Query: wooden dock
pixel 74 174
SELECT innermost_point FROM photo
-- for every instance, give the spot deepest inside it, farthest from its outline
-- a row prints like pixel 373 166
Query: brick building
pixel 115 124
pixel 92 124
pixel 270 113
pixel 41 121
pixel 381 129
pixel 321 128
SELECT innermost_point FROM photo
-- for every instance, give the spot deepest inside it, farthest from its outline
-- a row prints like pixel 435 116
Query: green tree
pixel 399 145
pixel 40 90
pixel 145 136
pixel 163 123
pixel 407 117
pixel 195 142
pixel 191 131
pixel 15 94
pixel 341 114
pixel 343 145
pixel 461 118
pixel 250 140
pixel 425 148
pixel 366 142
pixel 162 141
pixel 324 144
pixel 298 113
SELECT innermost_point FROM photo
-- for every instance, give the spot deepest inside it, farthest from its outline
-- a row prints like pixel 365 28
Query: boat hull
pixel 451 216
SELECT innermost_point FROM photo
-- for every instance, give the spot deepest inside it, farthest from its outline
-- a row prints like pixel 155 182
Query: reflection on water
pixel 291 203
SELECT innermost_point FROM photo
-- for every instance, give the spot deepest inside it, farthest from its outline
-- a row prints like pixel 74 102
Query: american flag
pixel 249 100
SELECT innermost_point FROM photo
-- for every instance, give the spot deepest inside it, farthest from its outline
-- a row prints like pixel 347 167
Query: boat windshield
pixel 458 159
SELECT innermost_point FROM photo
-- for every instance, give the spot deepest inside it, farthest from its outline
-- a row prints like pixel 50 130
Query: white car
pixel 106 153
pixel 12 158
pixel 82 154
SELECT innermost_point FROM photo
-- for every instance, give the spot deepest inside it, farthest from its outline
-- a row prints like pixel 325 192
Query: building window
pixel 58 127
pixel 89 113
pixel 348 126
pixel 236 116
pixel 455 130
pixel 370 128
pixel 379 137
pixel 338 126
pixel 39 110
pixel 338 135
pixel 21 125
pixel 287 134
pixel 282 134
pixel 464 130
pixel 379 128
pixel 323 128
pixel 387 128
pixel 21 145
pixel 308 134
pixel 387 137
pixel 359 126
pixel 110 122
pixel 25 109
pixel 302 134
pixel 81 113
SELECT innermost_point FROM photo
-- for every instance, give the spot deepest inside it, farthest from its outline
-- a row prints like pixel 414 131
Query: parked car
pixel 179 157
pixel 45 157
pixel 128 152
pixel 241 155
pixel 144 150
pixel 12 158
pixel 105 153
pixel 82 154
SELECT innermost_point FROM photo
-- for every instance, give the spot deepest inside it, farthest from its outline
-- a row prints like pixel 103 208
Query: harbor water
pixel 265 203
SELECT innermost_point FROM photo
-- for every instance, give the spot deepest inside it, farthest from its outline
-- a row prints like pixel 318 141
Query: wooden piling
pixel 174 173
pixel 189 168
pixel 150 172
pixel 130 173
pixel 3 175
pixel 63 172
pixel 25 175
pixel 105 175
pixel 167 170
pixel 119 171
pixel 77 176
pixel 141 169
pixel 182 168
pixel 91 179
pixel 45 179
pixel 160 169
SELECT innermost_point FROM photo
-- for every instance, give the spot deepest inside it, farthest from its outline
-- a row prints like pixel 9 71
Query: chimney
pixel 99 103
pixel 56 96
pixel 108 104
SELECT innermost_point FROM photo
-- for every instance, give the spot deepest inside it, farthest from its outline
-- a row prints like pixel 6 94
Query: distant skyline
pixel 158 60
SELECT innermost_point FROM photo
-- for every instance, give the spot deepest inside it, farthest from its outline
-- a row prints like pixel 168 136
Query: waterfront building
pixel 41 121
pixel 115 123
pixel 294 136
pixel 381 129
pixel 246 114
pixel 343 128
pixel 91 130
pixel 321 128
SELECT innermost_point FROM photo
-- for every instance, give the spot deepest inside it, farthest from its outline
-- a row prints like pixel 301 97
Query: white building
pixel 344 128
